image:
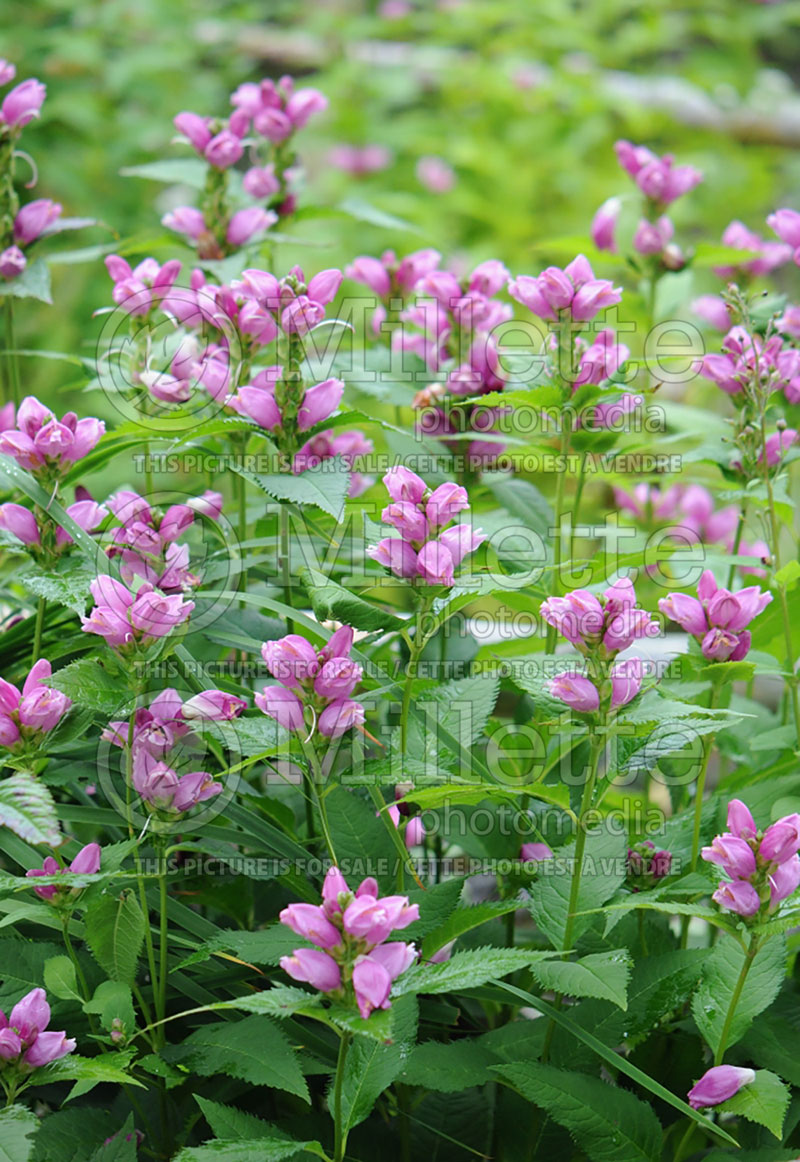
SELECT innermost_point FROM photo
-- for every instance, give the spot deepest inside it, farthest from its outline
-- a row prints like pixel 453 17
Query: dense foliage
pixel 399 705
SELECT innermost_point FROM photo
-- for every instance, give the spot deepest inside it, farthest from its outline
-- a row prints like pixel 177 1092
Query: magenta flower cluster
pixel 25 225
pixel 158 729
pixel 129 620
pixel 763 867
pixel 353 957
pixel 85 863
pixel 717 618
pixel 315 685
pixel 27 715
pixel 430 547
pixel 46 446
pixel 25 1041
pixel 146 540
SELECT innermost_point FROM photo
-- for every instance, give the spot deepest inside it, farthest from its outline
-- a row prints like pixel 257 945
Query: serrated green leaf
pixel 89 684
pixel 17 1126
pixel 763 1101
pixel 331 602
pixel 325 485
pixel 33 283
pixel 68 587
pixel 718 984
pixel 27 809
pixel 370 1067
pixel 603 975
pixel 466 970
pixel 609 1124
pixel 115 934
pixel 253 1049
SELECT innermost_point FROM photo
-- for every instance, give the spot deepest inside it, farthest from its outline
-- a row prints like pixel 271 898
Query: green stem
pixel 148 935
pixel 735 997
pixel 699 792
pixel 84 987
pixel 41 609
pixel 340 1133
pixel 737 542
pixel 566 436
pixel 161 1005
pixel 12 363
pixel 683 1145
pixel 415 648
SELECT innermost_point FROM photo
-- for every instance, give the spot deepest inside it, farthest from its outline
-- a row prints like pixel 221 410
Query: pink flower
pixel 35 219
pixel 25 1033
pixel 195 128
pixel 739 896
pixel 338 678
pixel 85 863
pixel 397 555
pixel 261 181
pixel 7 72
pixel 574 290
pixel 444 503
pixel 139 289
pixel 535 852
pixel 781 841
pixel 304 104
pixel 359 160
pixel 372 273
pixel 786 224
pixel 777 445
pixel 740 820
pixel 403 484
pixel 19 521
pixel 407 518
pixel 435 564
pixel 712 309
pixel 460 541
pixel 223 150
pixel 577 691
pixel 784 880
pixel 247 224
pixel 310 966
pixel 626 682
pixel 339 717
pixel 291 659
pixel 187 220
pixel 282 705
pixel 12 262
pixel 652 237
pixel 734 856
pixel 435 174
pixel 656 177
pixel 319 403
pixel 259 404
pixel 717 618
pixel 718 1084
pixel 604 225
pixel 311 922
pixel 22 103
pixel 213 706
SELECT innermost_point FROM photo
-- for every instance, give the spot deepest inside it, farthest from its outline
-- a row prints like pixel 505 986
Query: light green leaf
pixel 764 1101
pixel 60 978
pixel 718 983
pixel 115 934
pixel 27 809
pixel 603 975
pixel 466 970
pixel 17 1125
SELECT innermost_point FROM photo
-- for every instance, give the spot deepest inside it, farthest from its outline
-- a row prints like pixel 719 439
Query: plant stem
pixel 340 1134
pixel 148 935
pixel 12 364
pixel 84 987
pixel 416 646
pixel 735 996
pixel 566 436
pixel 737 542
pixel 41 608
pixel 161 1004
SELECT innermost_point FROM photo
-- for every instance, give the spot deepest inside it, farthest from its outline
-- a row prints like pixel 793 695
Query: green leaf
pixel 464 920
pixel 325 485
pixel 362 841
pixel 363 212
pixel 17 1124
pixel 87 1072
pixel 332 602
pixel 764 1101
pixel 609 1124
pixel 718 982
pixel 660 985
pixel 449 1068
pixel 603 975
pixel 112 1001
pixel 120 1147
pixel 604 864
pixel 230 1123
pixel 370 1067
pixel 67 587
pixel 279 1001
pixel 89 684
pixel 27 809
pixel 115 934
pixel 186 171
pixel 617 1061
pixel 257 1150
pixel 60 979
pixel 252 1049
pixel 33 283
pixel 465 707
pixel 466 970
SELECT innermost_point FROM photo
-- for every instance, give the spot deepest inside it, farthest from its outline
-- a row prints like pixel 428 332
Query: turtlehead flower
pixel 717 618
pixel 45 446
pixel 139 289
pixel 353 956
pixel 573 292
pixel 763 868
pixel 603 627
pixel 27 715
pixel 430 547
pixel 315 684
pixel 659 179
pixel 127 620
pixel 85 863
pixel 25 1040
pixel 718 1084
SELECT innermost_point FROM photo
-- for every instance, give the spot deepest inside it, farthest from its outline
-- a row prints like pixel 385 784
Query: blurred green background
pixel 523 99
